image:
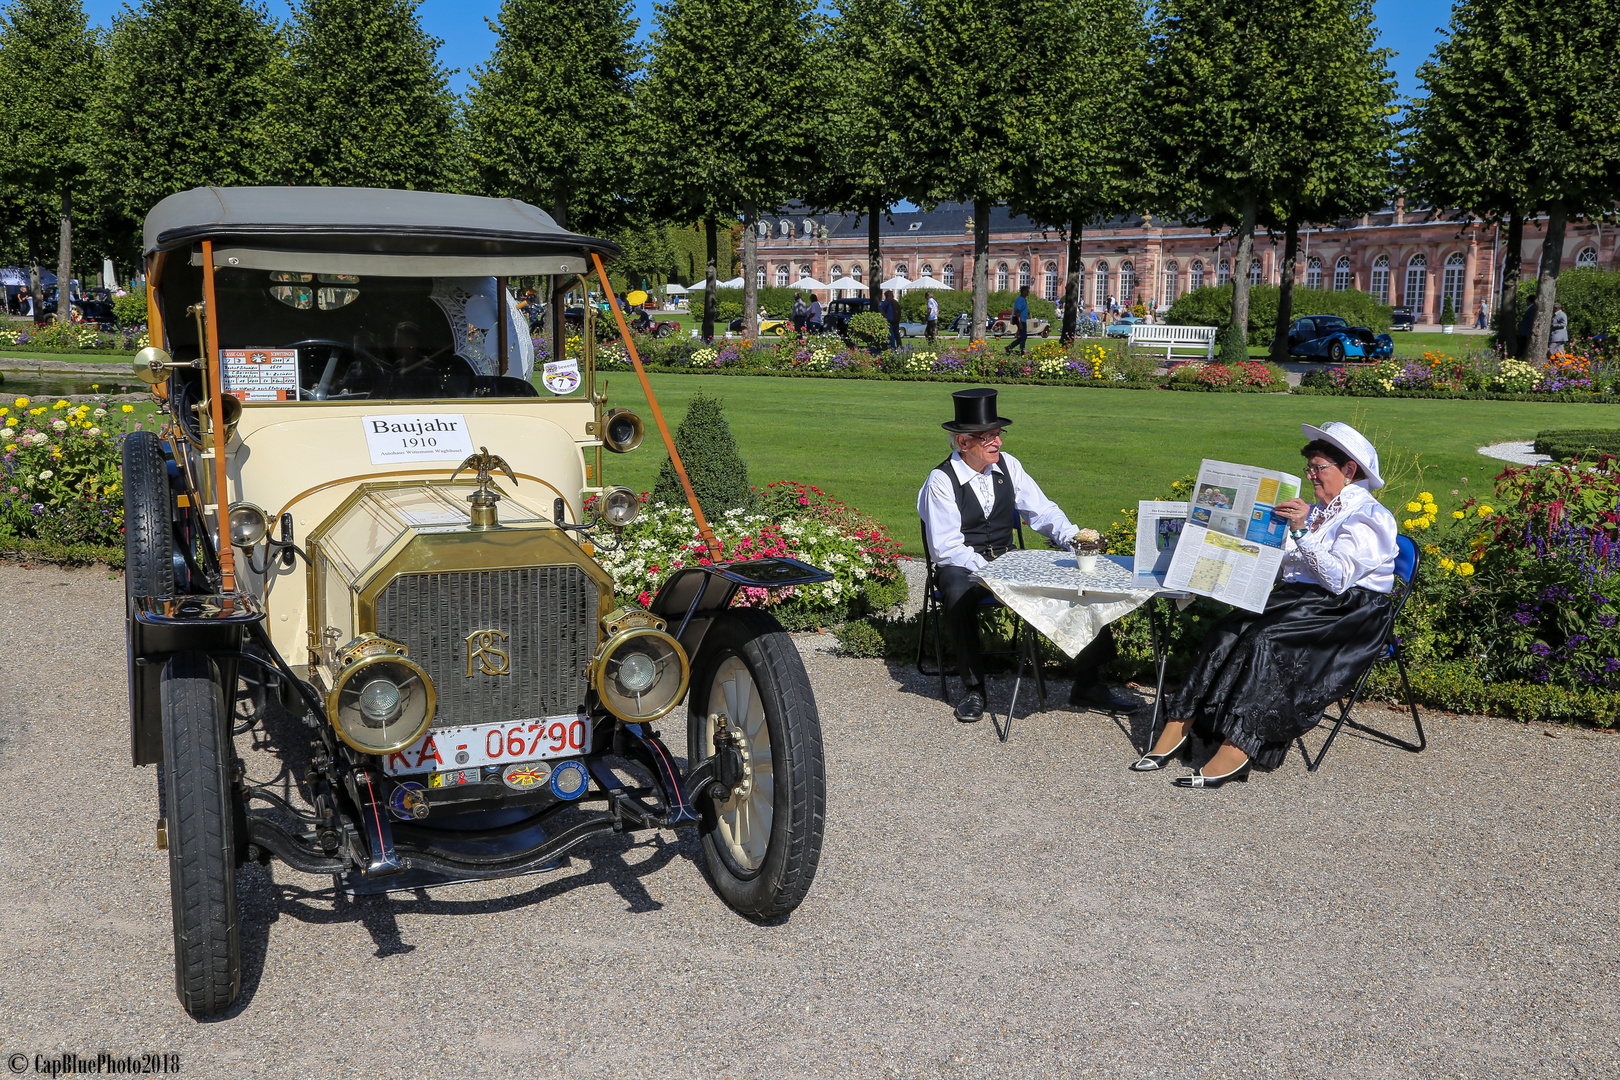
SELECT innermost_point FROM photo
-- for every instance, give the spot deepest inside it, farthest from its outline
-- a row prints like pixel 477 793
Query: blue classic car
pixel 1328 337
pixel 1122 326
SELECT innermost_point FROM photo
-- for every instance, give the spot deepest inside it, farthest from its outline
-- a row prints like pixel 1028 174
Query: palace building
pixel 1415 259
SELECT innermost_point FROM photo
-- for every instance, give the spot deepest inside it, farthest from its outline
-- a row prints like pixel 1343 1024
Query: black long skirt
pixel 1263 679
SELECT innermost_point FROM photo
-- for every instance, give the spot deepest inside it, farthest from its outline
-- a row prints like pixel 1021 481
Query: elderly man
pixel 971 504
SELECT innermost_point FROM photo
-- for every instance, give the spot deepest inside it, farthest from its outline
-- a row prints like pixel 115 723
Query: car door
pixel 1300 336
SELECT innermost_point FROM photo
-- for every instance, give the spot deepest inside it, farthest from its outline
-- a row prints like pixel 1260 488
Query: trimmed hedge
pixel 1212 306
pixel 1456 688
pixel 1567 397
pixel 1577 442
pixel 914 305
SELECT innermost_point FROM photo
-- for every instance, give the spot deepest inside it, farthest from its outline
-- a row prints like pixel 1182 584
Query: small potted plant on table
pixel 1088 544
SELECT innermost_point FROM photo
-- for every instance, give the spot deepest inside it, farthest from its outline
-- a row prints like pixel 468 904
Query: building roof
pixel 946 219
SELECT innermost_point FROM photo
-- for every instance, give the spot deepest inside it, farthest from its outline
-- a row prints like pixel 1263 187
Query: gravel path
pixel 1520 453
pixel 1027 910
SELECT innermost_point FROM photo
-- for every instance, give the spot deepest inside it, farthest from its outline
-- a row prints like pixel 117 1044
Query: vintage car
pixel 1331 338
pixel 1121 327
pixel 367 633
pixel 835 318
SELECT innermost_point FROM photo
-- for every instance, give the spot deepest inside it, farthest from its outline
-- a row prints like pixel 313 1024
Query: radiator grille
pixel 548 612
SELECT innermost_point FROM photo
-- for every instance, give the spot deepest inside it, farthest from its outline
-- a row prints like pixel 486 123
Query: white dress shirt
pixel 936 505
pixel 1350 542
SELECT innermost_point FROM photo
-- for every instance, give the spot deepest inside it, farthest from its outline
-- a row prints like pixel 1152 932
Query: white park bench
pixel 1157 335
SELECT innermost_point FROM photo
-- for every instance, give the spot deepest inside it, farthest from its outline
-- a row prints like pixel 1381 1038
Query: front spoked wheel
pixel 763 841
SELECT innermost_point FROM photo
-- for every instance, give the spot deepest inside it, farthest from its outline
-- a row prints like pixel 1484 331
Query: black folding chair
pixel 1406 563
pixel 1025 645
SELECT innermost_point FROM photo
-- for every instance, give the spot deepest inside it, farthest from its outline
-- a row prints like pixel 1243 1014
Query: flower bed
pixel 1483 373
pixel 73 338
pixel 61 482
pixel 788 519
pixel 1250 376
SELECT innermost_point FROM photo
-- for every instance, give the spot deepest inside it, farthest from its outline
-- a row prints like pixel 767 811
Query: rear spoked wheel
pixel 763 841
pixel 201 824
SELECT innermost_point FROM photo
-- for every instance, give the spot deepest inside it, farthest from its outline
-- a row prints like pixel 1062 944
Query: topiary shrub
pixel 1578 442
pixel 869 330
pixel 859 638
pixel 718 473
pixel 1232 348
pixel 1448 316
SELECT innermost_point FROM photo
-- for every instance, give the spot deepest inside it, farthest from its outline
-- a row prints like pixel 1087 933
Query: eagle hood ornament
pixel 484 499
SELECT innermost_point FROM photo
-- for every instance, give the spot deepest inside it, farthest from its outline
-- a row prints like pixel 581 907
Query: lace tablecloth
pixel 1069 607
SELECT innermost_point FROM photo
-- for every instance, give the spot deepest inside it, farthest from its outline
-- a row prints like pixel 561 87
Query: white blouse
pixel 1348 543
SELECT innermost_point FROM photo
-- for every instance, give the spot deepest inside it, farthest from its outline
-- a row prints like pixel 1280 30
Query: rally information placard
pixel 417 437
pixel 260 374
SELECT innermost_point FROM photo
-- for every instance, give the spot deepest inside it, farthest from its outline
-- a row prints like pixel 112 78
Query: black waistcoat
pixel 988 536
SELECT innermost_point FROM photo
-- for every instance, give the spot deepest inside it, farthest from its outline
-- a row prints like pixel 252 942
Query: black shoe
pixel 1154 762
pixel 970 710
pixel 1097 695
pixel 1239 775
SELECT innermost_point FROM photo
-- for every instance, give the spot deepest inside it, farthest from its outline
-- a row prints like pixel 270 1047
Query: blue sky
pixel 1407 26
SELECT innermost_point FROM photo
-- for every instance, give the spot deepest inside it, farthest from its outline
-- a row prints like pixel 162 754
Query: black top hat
pixel 975 412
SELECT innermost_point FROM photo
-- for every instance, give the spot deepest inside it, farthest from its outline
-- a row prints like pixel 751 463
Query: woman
pixel 1260 681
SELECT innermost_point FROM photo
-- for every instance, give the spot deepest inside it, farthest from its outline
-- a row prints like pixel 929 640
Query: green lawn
pixel 1094 451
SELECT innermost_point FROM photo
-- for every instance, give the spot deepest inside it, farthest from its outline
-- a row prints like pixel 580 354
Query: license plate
pixel 471 747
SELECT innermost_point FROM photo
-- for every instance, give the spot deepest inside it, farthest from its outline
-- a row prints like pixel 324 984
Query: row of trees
pixel 1231 114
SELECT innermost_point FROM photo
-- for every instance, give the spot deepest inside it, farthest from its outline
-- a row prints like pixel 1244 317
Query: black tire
pixel 1046 331
pixel 773 883
pixel 202 837
pixel 663 330
pixel 148 525
pixel 1336 352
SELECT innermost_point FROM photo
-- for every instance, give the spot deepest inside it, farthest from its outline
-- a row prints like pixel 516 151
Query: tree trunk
pixel 711 275
pixel 750 258
pixel 1507 303
pixel 556 325
pixel 1240 267
pixel 1071 284
pixel 64 262
pixel 1552 260
pixel 981 267
pixel 1285 294
pixel 874 250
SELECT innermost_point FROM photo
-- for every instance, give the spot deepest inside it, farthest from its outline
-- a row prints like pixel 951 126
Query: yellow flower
pixel 4 411
pixel 1432 548
pixel 1485 510
pixel 21 403
pixel 1414 508
pixel 95 386
pixel 60 405
pixel 1423 522
pixel 1425 496
pixel 10 447
pixel 129 408
pixel 1465 569
pixel 1458 514
pixel 1430 509
pixel 1447 564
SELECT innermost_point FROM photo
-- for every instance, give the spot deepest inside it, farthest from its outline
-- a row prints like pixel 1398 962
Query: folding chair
pixel 1025 645
pixel 1406 563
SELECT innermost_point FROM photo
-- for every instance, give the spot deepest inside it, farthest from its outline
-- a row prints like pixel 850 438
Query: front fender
pixel 691 597
pixel 164 625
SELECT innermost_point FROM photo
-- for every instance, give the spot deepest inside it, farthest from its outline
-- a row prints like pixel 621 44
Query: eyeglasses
pixel 987 438
pixel 1313 471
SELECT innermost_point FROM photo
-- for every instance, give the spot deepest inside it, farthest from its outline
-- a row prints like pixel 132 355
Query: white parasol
pixel 848 284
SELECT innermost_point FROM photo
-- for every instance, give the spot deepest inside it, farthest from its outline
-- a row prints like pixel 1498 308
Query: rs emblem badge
pixel 482 650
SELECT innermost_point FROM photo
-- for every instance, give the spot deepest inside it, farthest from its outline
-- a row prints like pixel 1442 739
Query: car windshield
pixel 287 336
pixel 1326 324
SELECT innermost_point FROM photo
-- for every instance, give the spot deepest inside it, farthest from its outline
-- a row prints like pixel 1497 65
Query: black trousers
pixel 1023 336
pixel 962 597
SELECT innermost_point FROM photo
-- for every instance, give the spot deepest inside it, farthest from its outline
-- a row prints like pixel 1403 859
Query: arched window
pixel 1379 285
pixel 1587 259
pixel 855 272
pixel 1417 280
pixel 1127 282
pixel 1172 278
pixel 804 270
pixel 1195 275
pixel 927 270
pixel 948 276
pixel 1451 283
pixel 1051 281
pixel 1100 294
pixel 763 228
pixel 1223 272
pixel 787 229
pixel 1023 274
pixel 759 275
pixel 834 273
pixel 900 271
pixel 809 227
pixel 1255 270
pixel 781 276
pixel 1313 273
pixel 1001 277
pixel 1341 274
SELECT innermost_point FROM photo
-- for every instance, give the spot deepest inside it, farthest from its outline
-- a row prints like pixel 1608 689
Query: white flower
pixel 99 413
pixel 45 474
pixel 94 431
pixel 59 425
pixel 6 433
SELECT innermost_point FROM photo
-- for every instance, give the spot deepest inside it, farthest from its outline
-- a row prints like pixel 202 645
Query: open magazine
pixel 1158 526
pixel 1231 545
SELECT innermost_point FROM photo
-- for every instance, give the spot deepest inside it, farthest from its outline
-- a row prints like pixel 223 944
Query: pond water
pixel 15 383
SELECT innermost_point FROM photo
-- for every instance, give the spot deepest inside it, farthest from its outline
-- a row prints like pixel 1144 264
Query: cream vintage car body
pixel 365 538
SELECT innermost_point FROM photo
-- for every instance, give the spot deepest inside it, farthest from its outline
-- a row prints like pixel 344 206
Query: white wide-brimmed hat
pixel 1354 443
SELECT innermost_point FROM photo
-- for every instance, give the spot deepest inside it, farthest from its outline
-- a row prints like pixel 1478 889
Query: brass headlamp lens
pixel 620 506
pixel 249 524
pixel 381 700
pixel 622 431
pixel 640 674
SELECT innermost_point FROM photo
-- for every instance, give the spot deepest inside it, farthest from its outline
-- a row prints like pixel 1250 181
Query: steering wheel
pixel 322 390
